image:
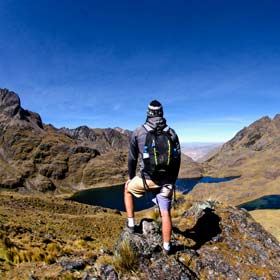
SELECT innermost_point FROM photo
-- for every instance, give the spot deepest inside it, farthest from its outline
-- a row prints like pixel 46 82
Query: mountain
pixel 200 151
pixel 103 140
pixel 40 157
pixel 253 154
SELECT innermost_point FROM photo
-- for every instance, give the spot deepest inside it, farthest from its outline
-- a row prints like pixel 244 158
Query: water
pixel 112 197
pixel 265 202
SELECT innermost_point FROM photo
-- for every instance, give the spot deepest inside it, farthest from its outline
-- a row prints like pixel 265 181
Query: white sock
pixel 131 222
pixel 166 245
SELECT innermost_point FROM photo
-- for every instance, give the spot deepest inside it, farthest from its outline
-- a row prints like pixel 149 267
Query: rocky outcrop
pixel 11 112
pixel 210 241
pixel 9 103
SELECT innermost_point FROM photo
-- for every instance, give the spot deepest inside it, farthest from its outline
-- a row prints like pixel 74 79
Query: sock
pixel 166 245
pixel 131 222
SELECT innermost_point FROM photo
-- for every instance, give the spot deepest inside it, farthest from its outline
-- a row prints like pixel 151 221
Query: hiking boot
pixel 166 252
pixel 130 229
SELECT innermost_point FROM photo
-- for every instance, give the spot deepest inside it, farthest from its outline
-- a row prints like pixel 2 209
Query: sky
pixel 214 65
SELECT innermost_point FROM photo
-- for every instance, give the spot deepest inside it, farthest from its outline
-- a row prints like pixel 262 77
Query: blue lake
pixel 112 197
pixel 265 202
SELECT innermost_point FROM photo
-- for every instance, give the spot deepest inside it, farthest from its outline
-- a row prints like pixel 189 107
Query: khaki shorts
pixel 136 186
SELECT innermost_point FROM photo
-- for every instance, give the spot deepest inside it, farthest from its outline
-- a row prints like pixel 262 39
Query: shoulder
pixel 138 132
pixel 173 133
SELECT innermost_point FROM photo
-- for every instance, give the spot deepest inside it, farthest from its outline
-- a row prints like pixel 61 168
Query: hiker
pixel 158 149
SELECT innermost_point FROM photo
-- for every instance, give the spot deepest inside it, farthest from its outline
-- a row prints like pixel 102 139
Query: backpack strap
pixel 166 129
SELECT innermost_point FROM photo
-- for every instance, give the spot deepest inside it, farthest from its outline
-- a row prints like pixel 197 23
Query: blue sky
pixel 214 65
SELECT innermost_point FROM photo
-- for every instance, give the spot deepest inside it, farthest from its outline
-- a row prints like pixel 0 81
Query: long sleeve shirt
pixel 136 147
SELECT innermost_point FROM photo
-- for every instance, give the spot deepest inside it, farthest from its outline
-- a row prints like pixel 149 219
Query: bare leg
pixel 166 225
pixel 129 203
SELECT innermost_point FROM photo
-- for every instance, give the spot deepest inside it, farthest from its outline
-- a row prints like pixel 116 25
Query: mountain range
pixel 49 236
pixel 38 157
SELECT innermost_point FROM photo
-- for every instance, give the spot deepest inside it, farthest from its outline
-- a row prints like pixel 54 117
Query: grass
pixel 126 261
pixel 43 229
pixel 269 219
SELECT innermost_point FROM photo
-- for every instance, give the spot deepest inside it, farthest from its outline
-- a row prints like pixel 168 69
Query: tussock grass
pixel 126 260
pixel 181 206
pixel 40 230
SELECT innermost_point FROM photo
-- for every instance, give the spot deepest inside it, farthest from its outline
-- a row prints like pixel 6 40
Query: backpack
pixel 159 152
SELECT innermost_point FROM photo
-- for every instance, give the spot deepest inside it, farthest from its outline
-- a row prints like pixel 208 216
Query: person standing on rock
pixel 157 148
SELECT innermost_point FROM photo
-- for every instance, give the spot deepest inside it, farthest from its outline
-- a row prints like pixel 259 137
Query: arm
pixel 132 156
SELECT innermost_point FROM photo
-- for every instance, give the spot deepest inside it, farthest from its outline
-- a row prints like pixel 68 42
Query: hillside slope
pixel 43 158
pixel 254 155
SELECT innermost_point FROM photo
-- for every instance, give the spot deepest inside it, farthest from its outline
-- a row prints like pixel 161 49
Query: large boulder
pixel 210 241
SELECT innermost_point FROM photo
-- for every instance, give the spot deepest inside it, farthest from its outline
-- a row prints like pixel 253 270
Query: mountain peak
pixel 11 112
pixel 9 102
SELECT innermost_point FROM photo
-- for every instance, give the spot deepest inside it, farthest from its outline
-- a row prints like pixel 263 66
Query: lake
pixel 265 202
pixel 112 197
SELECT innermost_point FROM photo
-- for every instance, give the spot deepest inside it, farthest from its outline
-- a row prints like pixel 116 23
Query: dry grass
pixel 269 219
pixel 126 261
pixel 38 230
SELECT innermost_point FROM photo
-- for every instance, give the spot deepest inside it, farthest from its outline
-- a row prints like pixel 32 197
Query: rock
pixel 107 272
pixel 217 242
pixel 146 244
pixel 9 102
pixel 10 107
pixel 41 183
pixel 73 265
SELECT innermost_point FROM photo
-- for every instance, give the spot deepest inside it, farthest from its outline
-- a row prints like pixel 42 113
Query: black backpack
pixel 158 153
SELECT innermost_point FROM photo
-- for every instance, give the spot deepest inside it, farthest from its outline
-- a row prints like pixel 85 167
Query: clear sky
pixel 214 65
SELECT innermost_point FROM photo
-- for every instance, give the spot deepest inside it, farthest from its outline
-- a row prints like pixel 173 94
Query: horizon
pixel 214 66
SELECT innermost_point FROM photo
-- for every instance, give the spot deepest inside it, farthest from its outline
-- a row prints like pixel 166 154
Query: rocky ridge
pixel 103 140
pixel 42 158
